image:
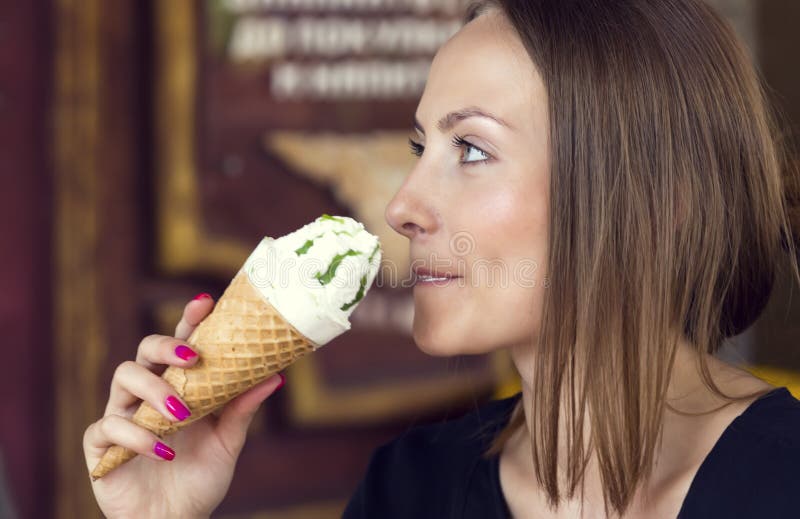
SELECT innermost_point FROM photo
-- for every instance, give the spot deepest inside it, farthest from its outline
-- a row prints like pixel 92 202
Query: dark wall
pixel 778 331
pixel 779 41
pixel 26 399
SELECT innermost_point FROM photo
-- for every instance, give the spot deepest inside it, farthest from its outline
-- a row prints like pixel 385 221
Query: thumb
pixel 238 413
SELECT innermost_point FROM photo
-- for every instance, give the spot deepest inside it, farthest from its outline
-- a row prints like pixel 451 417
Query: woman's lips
pixel 428 277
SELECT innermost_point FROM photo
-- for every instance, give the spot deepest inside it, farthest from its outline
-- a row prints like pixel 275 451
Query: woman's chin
pixel 435 343
pixel 437 350
pixel 445 343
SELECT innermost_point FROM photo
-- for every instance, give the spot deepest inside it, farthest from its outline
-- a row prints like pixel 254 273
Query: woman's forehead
pixel 486 65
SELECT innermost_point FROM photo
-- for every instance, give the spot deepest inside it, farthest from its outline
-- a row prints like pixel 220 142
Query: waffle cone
pixel 241 343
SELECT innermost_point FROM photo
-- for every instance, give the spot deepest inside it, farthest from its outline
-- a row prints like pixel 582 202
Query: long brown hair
pixel 668 219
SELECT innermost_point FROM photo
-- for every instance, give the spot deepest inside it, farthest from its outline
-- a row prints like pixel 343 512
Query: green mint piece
pixel 359 294
pixel 377 246
pixel 329 217
pixel 302 250
pixel 326 278
pixel 337 233
pixel 307 245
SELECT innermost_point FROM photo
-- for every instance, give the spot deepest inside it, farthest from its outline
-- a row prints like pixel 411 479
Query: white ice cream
pixel 316 275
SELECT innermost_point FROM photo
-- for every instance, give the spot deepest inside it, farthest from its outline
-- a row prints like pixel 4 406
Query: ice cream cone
pixel 293 295
pixel 241 343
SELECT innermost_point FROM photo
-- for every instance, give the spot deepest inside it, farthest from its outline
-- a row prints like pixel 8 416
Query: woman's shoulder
pixel 764 439
pixel 772 421
pixel 753 469
pixel 770 433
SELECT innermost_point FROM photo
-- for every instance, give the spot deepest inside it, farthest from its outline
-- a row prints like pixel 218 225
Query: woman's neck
pixel 686 440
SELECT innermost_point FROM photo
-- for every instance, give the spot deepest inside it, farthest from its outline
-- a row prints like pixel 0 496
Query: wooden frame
pixel 78 330
pixel 179 230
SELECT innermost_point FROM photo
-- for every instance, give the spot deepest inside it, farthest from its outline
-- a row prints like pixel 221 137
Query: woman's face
pixel 478 209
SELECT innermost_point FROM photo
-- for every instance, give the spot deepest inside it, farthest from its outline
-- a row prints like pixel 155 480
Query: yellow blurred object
pixel 507 387
pixel 777 377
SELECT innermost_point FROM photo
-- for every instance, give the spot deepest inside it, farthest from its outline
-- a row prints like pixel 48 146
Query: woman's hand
pixel 197 479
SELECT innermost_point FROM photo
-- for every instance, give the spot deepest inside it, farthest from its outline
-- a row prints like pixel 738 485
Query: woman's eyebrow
pixel 449 120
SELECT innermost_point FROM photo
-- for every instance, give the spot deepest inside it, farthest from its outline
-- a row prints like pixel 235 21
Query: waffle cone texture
pixel 242 342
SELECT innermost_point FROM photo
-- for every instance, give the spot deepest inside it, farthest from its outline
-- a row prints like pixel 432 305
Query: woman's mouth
pixel 426 277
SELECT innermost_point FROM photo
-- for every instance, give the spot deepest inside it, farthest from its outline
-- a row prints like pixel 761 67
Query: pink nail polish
pixel 163 451
pixel 204 295
pixel 177 408
pixel 283 381
pixel 185 352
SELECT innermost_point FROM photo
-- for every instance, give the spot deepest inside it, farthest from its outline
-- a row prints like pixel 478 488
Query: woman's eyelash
pixel 416 148
pixel 458 141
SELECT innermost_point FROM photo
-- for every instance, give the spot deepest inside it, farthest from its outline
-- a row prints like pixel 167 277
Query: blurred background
pixel 146 147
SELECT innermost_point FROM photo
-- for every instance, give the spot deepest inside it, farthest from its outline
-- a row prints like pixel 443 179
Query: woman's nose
pixel 408 215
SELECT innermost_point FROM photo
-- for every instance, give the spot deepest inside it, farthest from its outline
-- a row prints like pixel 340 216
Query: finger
pixel 153 353
pixel 238 413
pixel 156 350
pixel 132 382
pixel 116 430
pixel 195 311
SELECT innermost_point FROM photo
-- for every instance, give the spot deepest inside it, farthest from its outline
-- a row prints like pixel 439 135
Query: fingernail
pixel 177 408
pixel 185 352
pixel 283 381
pixel 163 451
pixel 204 295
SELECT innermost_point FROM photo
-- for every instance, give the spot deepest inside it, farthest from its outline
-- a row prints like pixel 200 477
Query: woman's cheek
pixel 508 219
pixel 491 210
pixel 513 231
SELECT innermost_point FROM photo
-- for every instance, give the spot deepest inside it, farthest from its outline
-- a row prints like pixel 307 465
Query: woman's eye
pixel 480 155
pixel 471 154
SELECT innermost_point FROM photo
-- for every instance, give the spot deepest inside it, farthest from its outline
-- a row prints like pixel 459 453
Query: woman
pixel 618 161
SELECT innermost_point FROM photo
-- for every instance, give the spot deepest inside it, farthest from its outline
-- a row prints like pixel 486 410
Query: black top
pixel 437 470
